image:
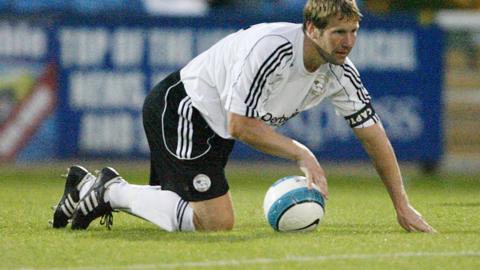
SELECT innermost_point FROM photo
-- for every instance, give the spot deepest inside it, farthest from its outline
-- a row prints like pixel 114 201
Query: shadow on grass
pixel 460 204
pixel 457 232
pixel 158 235
pixel 360 229
pixel 238 235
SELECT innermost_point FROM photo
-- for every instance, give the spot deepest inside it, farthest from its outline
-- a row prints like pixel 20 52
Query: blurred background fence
pixel 73 74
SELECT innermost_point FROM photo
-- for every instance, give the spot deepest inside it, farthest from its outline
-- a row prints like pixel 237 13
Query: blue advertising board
pixel 28 91
pixel 106 71
pixel 106 66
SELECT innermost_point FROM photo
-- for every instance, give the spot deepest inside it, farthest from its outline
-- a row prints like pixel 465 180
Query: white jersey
pixel 259 72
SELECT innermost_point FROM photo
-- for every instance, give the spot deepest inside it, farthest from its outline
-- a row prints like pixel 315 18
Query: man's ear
pixel 309 28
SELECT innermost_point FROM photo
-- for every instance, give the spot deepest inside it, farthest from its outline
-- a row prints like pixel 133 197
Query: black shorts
pixel 187 156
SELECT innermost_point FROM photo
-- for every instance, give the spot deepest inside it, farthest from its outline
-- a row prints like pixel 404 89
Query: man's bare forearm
pixel 262 137
pixel 378 147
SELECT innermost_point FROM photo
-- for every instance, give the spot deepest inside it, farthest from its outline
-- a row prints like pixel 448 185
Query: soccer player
pixel 240 89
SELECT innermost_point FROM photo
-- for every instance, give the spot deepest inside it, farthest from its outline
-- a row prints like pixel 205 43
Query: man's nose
pixel 350 40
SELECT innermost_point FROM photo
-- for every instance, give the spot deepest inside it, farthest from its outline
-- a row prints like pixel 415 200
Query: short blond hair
pixel 319 12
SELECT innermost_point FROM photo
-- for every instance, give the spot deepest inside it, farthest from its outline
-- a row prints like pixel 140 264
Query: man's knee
pixel 214 215
pixel 222 223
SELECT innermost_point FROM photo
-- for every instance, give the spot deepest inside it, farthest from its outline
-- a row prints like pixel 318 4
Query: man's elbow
pixel 240 129
pixel 235 130
pixel 236 126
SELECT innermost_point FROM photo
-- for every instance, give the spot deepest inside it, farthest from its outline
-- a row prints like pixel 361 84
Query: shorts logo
pixel 201 182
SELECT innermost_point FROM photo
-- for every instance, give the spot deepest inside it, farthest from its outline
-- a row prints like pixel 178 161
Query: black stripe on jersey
pixel 352 69
pixel 264 80
pixel 258 82
pixel 340 82
pixel 250 93
pixel 362 116
pixel 362 94
pixel 354 76
pixel 263 66
pixel 353 79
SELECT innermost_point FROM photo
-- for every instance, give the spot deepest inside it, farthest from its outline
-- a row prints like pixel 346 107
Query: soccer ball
pixel 290 206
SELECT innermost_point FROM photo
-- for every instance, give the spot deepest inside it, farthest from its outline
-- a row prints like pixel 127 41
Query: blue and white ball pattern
pixel 290 206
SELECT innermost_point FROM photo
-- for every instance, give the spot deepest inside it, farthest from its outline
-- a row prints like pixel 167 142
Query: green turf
pixel 359 230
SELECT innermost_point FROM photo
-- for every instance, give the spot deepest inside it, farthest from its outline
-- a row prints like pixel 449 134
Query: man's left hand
pixel 412 221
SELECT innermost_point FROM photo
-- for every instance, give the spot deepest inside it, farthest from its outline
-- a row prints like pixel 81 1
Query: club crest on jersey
pixel 318 87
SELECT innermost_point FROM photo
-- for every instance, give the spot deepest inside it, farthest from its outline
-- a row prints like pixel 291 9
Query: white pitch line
pixel 265 261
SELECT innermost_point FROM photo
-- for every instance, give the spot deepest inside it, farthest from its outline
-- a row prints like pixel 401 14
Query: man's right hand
pixel 314 173
pixel 256 133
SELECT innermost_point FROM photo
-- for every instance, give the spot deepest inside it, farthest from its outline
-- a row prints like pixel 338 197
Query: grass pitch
pixel 359 230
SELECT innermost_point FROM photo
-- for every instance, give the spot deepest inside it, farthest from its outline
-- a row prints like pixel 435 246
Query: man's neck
pixel 312 58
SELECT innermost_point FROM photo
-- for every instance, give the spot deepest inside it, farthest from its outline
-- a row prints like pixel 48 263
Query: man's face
pixel 336 40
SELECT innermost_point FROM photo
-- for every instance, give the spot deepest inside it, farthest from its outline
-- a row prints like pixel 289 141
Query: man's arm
pixel 378 147
pixel 262 137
